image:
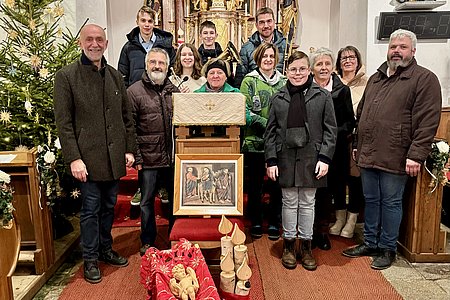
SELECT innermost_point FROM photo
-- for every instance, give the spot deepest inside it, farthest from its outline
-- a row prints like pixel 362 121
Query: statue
pixel 184 285
pixel 203 5
pixel 195 3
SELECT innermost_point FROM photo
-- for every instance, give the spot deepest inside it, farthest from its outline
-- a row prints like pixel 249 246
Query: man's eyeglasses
pixel 350 57
pixel 301 70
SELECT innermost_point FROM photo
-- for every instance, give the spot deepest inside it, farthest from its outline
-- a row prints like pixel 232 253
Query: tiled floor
pixel 411 280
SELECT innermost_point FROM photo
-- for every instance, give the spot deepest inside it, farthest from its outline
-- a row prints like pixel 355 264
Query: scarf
pixel 297 107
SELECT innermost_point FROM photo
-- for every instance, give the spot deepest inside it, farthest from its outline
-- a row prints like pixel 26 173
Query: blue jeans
pixel 297 213
pixel 383 193
pixel 97 216
pixel 149 187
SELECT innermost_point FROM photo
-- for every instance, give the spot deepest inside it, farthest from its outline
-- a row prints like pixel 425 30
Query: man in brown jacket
pixel 151 98
pixel 98 140
pixel 397 120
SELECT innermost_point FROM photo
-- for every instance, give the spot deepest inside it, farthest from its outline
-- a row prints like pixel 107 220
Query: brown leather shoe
pixel 308 261
pixel 288 258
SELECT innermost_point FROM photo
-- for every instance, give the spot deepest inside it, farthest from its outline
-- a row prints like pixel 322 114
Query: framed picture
pixel 208 184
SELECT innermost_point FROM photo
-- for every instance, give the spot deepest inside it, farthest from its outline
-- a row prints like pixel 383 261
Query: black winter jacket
pixel 132 56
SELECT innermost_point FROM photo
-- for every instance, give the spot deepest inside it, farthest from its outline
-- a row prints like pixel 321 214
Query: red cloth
pixel 230 296
pixel 156 271
pixel 199 229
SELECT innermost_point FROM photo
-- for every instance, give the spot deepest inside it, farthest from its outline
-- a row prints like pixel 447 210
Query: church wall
pixel 432 54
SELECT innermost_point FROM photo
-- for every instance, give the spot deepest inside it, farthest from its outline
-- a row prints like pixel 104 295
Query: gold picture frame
pixel 208 184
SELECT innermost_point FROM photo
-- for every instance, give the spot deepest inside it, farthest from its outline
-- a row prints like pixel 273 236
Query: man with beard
pixel 397 120
pixel 265 24
pixel 151 99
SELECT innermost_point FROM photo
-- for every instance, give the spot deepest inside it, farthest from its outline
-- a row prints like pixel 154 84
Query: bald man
pixel 95 126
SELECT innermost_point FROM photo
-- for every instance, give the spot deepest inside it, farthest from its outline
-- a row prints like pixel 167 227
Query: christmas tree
pixel 35 48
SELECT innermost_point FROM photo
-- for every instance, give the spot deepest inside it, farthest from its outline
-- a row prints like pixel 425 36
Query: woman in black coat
pixel 322 63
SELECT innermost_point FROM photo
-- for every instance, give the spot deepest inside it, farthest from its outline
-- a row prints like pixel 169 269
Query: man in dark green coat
pixel 98 141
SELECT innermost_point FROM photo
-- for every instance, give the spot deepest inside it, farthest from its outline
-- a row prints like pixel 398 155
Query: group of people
pixel 316 132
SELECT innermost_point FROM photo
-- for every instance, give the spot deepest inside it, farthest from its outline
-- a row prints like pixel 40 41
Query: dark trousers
pixel 96 217
pixel 336 190
pixel 151 181
pixel 256 172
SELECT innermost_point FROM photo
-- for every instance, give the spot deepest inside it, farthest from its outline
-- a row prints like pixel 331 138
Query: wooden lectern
pixel 32 211
pixel 421 237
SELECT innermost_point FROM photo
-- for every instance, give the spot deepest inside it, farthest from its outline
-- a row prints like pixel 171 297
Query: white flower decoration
pixel 442 147
pixel 40 149
pixel 49 157
pixel 57 144
pixel 4 177
pixel 28 107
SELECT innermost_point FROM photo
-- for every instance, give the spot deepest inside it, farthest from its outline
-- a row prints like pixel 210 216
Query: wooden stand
pixel 421 237
pixel 9 253
pixel 32 212
pixel 185 144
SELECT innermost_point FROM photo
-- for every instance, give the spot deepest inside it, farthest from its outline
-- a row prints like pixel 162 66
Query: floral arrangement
pixel 46 162
pixel 439 164
pixel 6 207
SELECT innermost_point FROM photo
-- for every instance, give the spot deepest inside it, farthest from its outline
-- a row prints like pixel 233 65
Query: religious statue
pixel 184 283
pixel 203 5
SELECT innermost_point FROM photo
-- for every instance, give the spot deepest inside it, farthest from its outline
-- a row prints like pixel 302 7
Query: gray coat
pixel 296 165
pixel 94 121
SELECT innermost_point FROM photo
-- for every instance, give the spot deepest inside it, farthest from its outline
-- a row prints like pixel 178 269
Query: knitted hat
pixel 217 64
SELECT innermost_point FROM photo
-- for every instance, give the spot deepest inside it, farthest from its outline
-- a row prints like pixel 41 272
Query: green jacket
pixel 226 89
pixel 258 91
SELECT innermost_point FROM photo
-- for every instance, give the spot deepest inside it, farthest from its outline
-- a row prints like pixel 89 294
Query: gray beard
pixel 157 77
pixel 393 65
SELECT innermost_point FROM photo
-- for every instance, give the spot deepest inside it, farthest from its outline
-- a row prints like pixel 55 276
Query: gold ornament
pixel 23 49
pixel 5 117
pixel 35 60
pixel 43 73
pixel 21 148
pixel 32 25
pixel 75 193
pixel 47 17
pixel 10 3
pixel 59 33
pixel 12 34
pixel 58 11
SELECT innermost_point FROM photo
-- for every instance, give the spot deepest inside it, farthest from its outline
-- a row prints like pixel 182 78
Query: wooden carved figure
pixel 184 285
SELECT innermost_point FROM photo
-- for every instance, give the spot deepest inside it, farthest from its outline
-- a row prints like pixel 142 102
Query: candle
pixel 227 282
pixel 172 16
pixel 226 245
pixel 240 253
pixel 246 9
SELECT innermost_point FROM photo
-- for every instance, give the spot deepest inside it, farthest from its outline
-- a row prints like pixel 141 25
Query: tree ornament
pixel 5 117
pixel 35 61
pixel 10 3
pixel 32 25
pixel 58 10
pixel 28 107
pixel 43 73
pixel 75 194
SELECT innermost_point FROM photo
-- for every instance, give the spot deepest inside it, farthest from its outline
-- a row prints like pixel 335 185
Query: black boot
pixel 288 259
pixel 385 260
pixel 308 261
pixel 322 241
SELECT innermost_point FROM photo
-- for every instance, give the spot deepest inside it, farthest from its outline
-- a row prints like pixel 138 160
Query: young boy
pixel 210 48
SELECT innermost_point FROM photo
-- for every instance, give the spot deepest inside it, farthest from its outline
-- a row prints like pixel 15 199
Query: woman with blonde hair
pixel 187 69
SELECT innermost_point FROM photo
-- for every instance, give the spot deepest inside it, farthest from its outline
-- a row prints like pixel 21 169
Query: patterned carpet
pixel 337 277
pixel 123 283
